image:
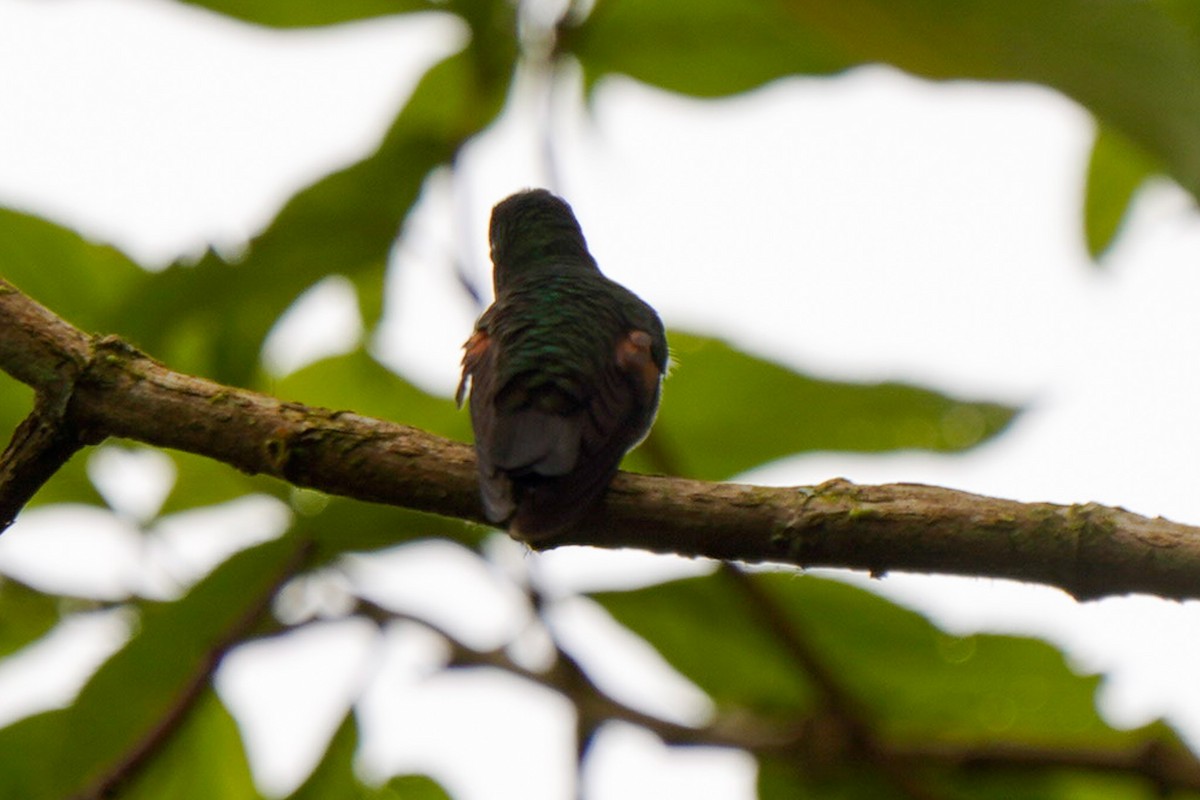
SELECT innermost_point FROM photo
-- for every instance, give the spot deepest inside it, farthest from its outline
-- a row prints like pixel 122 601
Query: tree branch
pixel 39 447
pixel 113 390
pixel 43 351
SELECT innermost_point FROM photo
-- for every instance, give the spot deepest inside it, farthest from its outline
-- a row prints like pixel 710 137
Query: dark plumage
pixel 564 371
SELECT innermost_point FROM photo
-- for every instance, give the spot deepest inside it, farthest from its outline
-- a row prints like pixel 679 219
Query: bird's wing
pixel 615 416
pixel 479 379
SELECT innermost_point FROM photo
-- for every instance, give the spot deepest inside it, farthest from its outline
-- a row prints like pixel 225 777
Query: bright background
pixel 867 227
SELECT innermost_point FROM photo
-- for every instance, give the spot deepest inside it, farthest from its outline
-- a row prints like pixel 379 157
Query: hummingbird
pixel 564 371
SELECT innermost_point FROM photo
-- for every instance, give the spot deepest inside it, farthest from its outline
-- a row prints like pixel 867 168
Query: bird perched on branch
pixel 564 371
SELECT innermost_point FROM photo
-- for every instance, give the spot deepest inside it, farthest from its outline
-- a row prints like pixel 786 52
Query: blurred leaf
pixel 1186 14
pixel 705 632
pixel 345 223
pixel 25 615
pixel 344 526
pixel 303 13
pixel 78 280
pixel 201 481
pixel 724 412
pixel 1116 170
pixel 1085 786
pixel 917 682
pixel 358 382
pixel 412 787
pixel 70 484
pixel 16 401
pixel 698 47
pixel 785 779
pixel 1130 62
pixel 1135 64
pixel 203 760
pixel 141 686
pixel 334 777
pixel 24 762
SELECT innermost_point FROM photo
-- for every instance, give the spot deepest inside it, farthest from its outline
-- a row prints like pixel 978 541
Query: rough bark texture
pixel 91 388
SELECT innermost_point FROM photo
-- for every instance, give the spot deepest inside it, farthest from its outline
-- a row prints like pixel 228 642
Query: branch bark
pixel 109 389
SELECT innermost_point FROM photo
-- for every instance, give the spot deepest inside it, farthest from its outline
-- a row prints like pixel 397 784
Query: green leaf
pixel 1133 64
pixel 724 411
pixel 82 282
pixel 785 779
pixel 1136 65
pixel 343 526
pixel 25 614
pixel 358 382
pixel 1094 786
pixel 345 223
pixel 24 763
pixel 16 401
pixel 916 682
pixel 706 633
pixel 202 760
pixel 305 13
pixel 1116 170
pixel 334 777
pixel 70 484
pixel 201 481
pixel 146 682
pixel 699 47
pixel 412 787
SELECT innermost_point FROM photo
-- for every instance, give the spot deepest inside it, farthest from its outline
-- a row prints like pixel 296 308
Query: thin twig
pixel 841 704
pixel 1165 765
pixel 153 739
pixel 40 446
pixel 567 678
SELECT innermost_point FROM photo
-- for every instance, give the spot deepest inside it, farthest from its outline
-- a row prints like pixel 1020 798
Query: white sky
pixel 870 227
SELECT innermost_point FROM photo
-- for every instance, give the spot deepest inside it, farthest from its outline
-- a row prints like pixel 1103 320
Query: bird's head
pixel 533 230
